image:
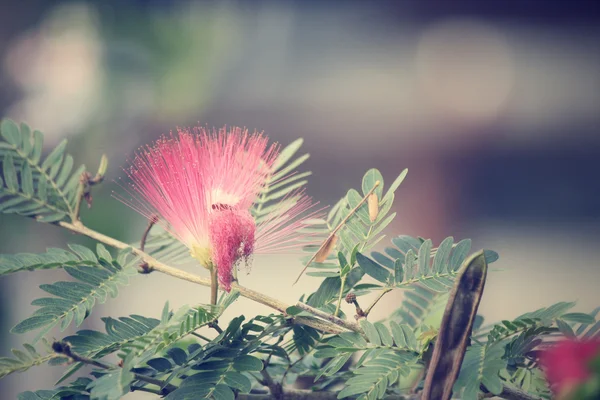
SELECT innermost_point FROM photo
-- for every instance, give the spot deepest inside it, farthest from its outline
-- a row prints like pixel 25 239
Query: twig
pixel 274 387
pixel 351 299
pixel 339 302
pixel 383 293
pixel 329 317
pixel 337 228
pixel 155 265
pixel 81 190
pixel 511 393
pixel 146 389
pixel 298 394
pixel 292 365
pixel 153 220
pixel 64 348
pixel 201 336
pixel 215 325
pixel 84 189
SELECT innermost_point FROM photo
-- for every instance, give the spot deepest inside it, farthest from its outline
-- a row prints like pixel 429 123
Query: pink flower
pixel 203 184
pixel 566 364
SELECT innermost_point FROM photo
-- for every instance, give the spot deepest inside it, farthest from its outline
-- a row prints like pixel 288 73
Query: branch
pixel 383 293
pixel 297 394
pixel 275 388
pixel 61 347
pixel 155 265
pixel 329 317
pixel 512 393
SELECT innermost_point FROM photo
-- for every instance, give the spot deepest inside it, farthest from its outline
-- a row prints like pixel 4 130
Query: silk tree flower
pixel 202 185
pixel 567 363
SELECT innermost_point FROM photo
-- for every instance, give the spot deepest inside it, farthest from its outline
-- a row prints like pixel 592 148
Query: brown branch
pixel 329 317
pixel 153 220
pixel 275 388
pixel 297 394
pixel 383 293
pixel 155 265
pixel 64 348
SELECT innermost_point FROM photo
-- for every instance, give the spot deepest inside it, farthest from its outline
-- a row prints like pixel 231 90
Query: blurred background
pixel 492 105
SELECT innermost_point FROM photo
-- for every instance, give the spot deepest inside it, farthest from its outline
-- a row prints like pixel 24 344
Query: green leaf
pixel 384 334
pixel 369 179
pixel 75 300
pixel 581 318
pixel 441 256
pixel 10 132
pixel 287 153
pixel 47 192
pixel 23 360
pixel 370 332
pixel 373 269
pixel 238 381
pixel 394 186
pixel 398 272
pixel 424 257
pixel 10 174
pixel 247 363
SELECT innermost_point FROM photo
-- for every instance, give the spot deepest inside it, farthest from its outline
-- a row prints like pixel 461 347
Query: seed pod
pixel 373 203
pixel 326 249
pixel 455 330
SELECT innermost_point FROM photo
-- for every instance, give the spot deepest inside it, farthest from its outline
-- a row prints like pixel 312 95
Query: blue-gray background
pixel 493 106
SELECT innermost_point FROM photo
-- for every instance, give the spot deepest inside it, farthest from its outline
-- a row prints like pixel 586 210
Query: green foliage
pixel 97 278
pixel 53 258
pixel 46 190
pixel 281 191
pixel 481 366
pixel 420 306
pixel 23 360
pixel 358 234
pixel 374 377
pixel 76 390
pixel 413 261
pixel 179 356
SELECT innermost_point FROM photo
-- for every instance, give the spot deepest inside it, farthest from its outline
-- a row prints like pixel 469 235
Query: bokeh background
pixel 492 105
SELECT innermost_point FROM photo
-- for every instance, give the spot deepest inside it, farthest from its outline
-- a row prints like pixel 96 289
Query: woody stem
pixel 155 265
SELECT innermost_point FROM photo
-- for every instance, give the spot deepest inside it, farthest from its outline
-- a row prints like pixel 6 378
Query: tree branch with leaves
pixel 217 197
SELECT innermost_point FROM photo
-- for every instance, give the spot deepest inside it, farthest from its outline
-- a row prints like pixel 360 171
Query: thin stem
pixel 292 365
pixel 145 389
pixel 274 387
pixel 83 182
pixel 201 336
pixel 329 317
pixel 151 222
pixel 214 285
pixel 337 228
pixel 64 348
pixel 215 326
pixel 383 293
pixel 155 265
pixel 339 302
pixel 144 265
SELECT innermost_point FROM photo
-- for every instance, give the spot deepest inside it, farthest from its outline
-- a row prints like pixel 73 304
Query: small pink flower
pixel 566 364
pixel 203 184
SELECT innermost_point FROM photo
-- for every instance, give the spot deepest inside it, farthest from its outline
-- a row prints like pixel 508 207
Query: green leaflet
pixel 97 279
pixel 46 191
pixel 23 360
